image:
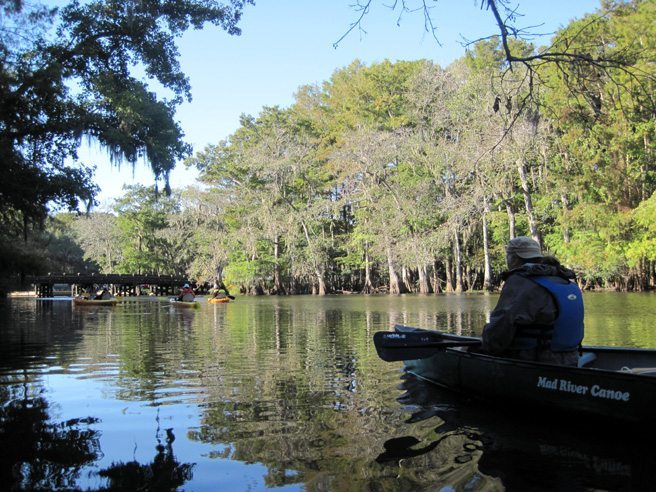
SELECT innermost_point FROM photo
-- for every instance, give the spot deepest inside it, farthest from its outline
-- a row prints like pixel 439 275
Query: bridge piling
pixel 125 285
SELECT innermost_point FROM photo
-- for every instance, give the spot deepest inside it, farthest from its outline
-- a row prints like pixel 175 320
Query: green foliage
pixel 98 236
pixel 373 96
pixel 597 244
pixel 68 74
pixel 50 248
pixel 604 111
pixel 62 252
pixel 390 170
pixel 644 244
pixel 141 217
pixel 389 162
pixel 243 271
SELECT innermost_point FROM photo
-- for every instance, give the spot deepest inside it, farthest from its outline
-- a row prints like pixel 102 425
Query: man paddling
pixel 220 291
pixel 539 315
pixel 186 294
pixel 104 294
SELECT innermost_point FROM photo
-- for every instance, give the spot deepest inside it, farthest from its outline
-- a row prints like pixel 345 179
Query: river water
pixel 284 393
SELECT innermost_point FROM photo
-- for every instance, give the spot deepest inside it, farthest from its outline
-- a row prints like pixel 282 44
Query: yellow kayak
pixel 81 301
pixel 184 304
pixel 218 300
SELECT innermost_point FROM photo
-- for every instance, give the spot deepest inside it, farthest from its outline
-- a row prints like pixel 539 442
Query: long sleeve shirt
pixel 522 303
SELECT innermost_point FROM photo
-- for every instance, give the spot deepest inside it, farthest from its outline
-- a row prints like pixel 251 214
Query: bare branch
pixel 364 10
pixel 365 7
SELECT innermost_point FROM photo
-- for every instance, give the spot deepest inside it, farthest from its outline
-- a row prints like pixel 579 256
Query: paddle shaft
pixel 444 344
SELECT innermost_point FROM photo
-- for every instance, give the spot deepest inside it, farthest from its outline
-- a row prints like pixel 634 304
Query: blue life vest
pixel 567 331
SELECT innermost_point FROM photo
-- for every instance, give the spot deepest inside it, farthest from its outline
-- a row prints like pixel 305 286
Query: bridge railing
pixel 120 284
pixel 108 278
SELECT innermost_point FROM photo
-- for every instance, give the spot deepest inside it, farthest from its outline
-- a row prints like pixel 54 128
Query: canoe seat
pixel 586 359
pixel 644 371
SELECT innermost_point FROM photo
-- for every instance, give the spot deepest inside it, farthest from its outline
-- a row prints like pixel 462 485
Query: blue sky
pixel 289 43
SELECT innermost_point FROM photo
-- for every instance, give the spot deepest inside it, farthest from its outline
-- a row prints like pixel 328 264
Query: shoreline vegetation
pixel 32 293
pixel 404 177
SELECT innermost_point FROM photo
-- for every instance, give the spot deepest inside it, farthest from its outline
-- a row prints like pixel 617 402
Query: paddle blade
pixel 398 339
pixel 396 346
pixel 395 354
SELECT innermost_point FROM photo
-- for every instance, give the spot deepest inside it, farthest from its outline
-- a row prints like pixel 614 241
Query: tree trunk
pixel 278 288
pixel 139 250
pixel 647 150
pixel 528 202
pixel 472 278
pixel 321 283
pixel 449 274
pixel 457 256
pixel 368 287
pixel 424 283
pixel 408 285
pixel 394 287
pixel 318 271
pixel 436 281
pixel 564 200
pixel 487 269
pixel 512 230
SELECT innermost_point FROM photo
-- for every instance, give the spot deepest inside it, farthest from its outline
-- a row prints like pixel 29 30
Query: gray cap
pixel 524 247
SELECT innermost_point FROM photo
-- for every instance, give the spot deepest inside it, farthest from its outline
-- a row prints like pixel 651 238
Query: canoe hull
pixel 78 301
pixel 592 391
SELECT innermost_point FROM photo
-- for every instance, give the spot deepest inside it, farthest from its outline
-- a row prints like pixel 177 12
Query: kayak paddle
pixel 394 346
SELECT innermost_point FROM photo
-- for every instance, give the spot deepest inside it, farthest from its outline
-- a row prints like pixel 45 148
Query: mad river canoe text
pixel 595 390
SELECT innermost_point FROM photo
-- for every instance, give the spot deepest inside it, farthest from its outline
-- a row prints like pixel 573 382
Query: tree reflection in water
pixel 37 454
pixel 164 473
pixel 509 450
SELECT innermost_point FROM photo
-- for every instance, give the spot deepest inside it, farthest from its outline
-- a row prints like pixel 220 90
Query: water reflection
pixel 620 319
pixel 509 450
pixel 273 392
pixel 165 472
pixel 37 453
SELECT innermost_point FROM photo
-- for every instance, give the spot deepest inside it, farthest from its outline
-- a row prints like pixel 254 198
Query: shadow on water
pixel 164 473
pixel 38 453
pixel 519 451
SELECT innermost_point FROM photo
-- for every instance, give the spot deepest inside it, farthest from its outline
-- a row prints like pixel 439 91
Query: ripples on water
pixel 278 392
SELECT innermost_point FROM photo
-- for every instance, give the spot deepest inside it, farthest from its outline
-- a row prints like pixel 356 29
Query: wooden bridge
pixel 125 285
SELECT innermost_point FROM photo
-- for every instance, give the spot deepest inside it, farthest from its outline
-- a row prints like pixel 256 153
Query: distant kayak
pixel 184 304
pixel 218 300
pixel 81 301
